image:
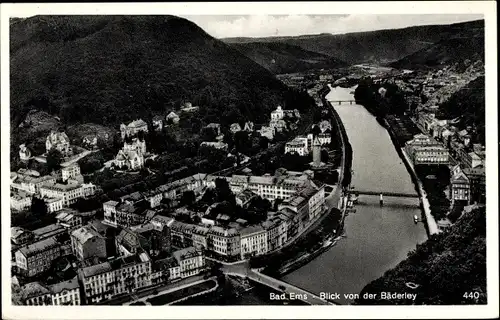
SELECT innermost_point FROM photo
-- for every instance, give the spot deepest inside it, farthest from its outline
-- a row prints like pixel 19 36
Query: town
pixel 150 238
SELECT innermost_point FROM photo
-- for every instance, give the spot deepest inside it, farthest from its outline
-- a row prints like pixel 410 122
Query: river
pixel 376 238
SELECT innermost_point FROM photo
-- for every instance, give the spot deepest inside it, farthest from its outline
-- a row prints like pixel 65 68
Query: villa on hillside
pixel 133 128
pixel 58 141
pixel 131 156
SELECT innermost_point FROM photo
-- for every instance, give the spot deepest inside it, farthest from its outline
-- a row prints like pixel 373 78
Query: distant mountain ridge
pixel 382 46
pixel 281 58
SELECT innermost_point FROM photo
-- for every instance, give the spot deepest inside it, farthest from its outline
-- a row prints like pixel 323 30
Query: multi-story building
pixel 48 231
pixel 87 243
pixel 267 132
pixel 182 234
pixel 424 150
pixel 459 185
pixel 37 257
pixel 35 294
pixel 200 235
pixel 323 138
pixel 71 219
pixel 125 214
pixel 277 114
pixel 172 117
pixel 278 125
pixel 30 184
pixel 133 128
pixel 20 200
pixel 225 242
pixel 69 192
pixel 20 236
pixel 235 127
pixel 122 275
pixel 298 145
pixel 280 186
pixel 131 156
pixel 158 123
pixel 215 144
pixel 477 178
pixel 253 241
pixel 71 172
pixel 24 153
pixel 190 260
pixel 53 204
pixel 66 293
pixel 472 160
pixel 58 141
pixel 276 232
pixel 325 126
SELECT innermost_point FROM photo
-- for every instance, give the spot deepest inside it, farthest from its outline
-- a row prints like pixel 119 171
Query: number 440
pixel 471 295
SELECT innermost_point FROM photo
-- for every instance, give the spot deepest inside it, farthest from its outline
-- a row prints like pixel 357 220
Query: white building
pixel 267 132
pixel 24 153
pixel 253 241
pixel 69 192
pixel 216 145
pixel 122 275
pixel 225 242
pixel 278 125
pixel 29 183
pixel 190 260
pixel 133 128
pixel 276 229
pixel 132 154
pixel 172 117
pixel 20 200
pixel 59 141
pixel 71 172
pixel 277 114
pixel 66 293
pixel 323 138
pixel 62 293
pixel 299 145
pixel 53 204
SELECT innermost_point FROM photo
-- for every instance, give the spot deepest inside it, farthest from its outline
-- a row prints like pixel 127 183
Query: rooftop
pixel 84 234
pixel 96 269
pixel 39 246
pixel 65 285
pixel 185 253
pixel 33 290
pixel 251 230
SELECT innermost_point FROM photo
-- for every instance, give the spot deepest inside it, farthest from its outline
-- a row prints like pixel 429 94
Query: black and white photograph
pixel 212 156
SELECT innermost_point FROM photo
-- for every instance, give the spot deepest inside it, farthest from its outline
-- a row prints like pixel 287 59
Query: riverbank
pixel 428 219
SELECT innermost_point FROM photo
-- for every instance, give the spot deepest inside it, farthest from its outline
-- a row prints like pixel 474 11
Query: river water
pixel 376 238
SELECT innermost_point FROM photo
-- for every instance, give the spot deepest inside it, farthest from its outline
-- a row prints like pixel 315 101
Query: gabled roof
pixel 33 290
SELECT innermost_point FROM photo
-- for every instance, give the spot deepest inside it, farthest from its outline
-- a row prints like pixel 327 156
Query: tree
pixel 54 159
pixel 188 198
pixel 38 206
pixel 223 191
pixel 324 155
pixel 316 130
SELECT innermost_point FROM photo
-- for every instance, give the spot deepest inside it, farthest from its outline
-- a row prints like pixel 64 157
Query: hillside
pixel 444 267
pixel 444 52
pixel 285 58
pixel 112 69
pixel 382 46
pixel 468 105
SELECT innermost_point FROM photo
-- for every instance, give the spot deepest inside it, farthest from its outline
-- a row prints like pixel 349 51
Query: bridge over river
pixel 281 286
pixel 342 101
pixel 385 193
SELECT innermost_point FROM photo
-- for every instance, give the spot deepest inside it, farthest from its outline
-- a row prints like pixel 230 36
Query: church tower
pixel 316 151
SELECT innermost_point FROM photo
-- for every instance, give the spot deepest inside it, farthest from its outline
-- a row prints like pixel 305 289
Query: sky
pixel 224 26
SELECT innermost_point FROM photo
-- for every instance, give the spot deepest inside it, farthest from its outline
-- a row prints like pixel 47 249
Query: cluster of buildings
pixel 442 142
pixel 58 190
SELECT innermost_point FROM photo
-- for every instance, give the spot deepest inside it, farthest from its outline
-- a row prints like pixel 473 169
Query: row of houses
pixel 57 190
